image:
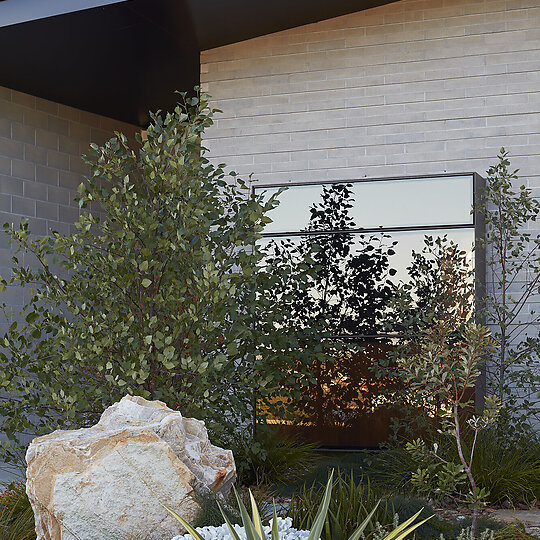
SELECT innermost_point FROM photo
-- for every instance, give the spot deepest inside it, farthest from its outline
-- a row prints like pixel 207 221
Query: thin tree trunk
pixel 474 525
pixel 468 471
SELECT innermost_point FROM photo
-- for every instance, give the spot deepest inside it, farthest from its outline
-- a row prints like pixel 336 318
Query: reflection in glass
pixel 389 203
pixel 352 285
pixel 407 242
pixel 356 278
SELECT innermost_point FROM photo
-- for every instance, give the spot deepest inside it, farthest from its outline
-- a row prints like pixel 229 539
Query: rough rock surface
pixel 110 480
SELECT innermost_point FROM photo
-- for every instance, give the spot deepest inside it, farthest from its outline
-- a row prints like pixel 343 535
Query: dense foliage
pixel 159 293
pixel 16 514
pixel 351 502
pixel 446 367
pixel 254 529
pixel 272 459
pixel 508 469
pixel 352 499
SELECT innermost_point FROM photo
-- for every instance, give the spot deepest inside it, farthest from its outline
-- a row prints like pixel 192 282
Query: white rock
pixel 110 480
pixel 284 526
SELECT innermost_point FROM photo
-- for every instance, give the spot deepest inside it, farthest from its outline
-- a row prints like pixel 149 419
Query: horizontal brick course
pixel 35 190
pixel 422 85
pixel 35 154
pixel 23 206
pixel 412 87
pixel 40 165
pixel 23 169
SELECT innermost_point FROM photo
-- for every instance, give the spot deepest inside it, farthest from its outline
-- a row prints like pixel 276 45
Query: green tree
pixel 445 368
pixel 513 257
pixel 164 296
pixel 441 285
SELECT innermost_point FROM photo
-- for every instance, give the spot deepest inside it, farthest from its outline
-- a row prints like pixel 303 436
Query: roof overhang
pixel 123 58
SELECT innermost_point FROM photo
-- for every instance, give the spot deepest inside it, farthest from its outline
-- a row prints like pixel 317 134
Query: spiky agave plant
pixel 254 528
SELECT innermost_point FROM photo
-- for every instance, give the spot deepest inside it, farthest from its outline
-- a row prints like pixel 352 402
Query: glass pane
pixel 407 242
pixel 383 203
pixel 293 213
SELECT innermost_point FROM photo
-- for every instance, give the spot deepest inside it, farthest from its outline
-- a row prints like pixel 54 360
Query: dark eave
pixel 126 58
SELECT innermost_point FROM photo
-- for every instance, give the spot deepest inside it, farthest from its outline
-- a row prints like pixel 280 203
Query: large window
pixel 386 219
pixel 407 208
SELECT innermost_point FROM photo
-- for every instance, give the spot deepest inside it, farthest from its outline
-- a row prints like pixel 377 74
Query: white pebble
pixel 285 528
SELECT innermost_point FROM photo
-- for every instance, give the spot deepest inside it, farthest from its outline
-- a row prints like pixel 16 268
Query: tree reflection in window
pixel 350 291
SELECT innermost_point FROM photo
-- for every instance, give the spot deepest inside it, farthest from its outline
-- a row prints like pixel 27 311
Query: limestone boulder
pixel 111 480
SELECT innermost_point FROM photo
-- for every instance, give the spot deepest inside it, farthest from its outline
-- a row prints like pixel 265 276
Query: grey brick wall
pixel 417 86
pixel 40 166
pixel 40 169
pixel 413 87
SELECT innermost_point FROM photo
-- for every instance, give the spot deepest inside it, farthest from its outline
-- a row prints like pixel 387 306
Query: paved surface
pixel 529 518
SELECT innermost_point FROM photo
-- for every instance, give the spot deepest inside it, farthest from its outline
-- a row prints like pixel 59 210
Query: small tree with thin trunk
pixel 446 367
pixel 513 256
pixel 163 296
pixel 440 287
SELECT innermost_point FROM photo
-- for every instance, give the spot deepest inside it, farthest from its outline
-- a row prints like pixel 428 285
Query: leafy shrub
pixel 162 296
pixel 507 467
pixel 353 498
pixel 445 368
pixel 516 531
pixel 16 514
pixel 210 513
pixel 253 526
pixel 349 505
pixel 406 506
pixel 272 459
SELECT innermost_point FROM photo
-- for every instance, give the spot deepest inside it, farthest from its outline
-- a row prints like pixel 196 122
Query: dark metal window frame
pixel 478 222
pixel 478 225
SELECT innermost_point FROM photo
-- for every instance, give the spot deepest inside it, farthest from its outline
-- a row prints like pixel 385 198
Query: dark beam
pixel 123 59
pixel 120 60
pixel 219 22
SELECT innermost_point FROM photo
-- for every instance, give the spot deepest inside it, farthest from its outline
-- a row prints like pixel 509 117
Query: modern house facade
pixel 397 92
pixel 406 89
pixel 421 92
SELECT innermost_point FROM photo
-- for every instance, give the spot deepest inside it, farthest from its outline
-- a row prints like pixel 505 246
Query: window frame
pixel 478 221
pixel 478 226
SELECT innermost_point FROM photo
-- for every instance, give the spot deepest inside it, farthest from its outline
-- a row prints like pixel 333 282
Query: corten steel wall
pixel 414 87
pixel 41 143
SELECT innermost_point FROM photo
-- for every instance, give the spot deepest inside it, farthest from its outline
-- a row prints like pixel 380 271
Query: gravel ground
pixel 286 532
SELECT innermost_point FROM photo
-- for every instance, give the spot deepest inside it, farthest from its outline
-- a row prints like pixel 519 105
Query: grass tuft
pixel 16 514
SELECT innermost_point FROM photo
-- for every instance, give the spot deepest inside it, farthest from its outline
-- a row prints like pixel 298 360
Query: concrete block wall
pixel 417 86
pixel 413 87
pixel 41 143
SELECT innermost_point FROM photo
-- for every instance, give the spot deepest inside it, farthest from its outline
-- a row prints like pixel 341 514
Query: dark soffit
pixel 123 59
pixel 222 22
